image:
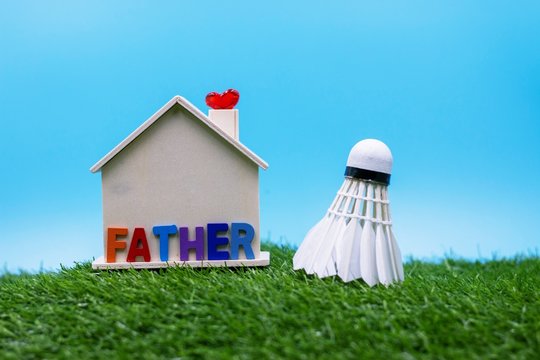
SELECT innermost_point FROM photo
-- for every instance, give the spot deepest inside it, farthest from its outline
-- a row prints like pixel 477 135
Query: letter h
pixel 186 244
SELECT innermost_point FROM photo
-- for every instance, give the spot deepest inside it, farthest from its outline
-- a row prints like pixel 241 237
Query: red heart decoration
pixel 226 100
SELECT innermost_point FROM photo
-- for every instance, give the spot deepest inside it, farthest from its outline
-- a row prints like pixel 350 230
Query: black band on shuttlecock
pixel 367 175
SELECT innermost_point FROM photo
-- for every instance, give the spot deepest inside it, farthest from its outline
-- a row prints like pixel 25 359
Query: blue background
pixel 452 87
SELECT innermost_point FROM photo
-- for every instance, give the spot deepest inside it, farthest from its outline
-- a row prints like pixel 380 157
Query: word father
pixel 241 235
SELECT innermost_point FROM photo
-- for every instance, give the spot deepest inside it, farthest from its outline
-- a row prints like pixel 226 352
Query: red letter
pixel 134 250
pixel 113 244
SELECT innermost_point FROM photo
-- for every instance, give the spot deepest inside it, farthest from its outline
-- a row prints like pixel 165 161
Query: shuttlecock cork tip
pixel 370 159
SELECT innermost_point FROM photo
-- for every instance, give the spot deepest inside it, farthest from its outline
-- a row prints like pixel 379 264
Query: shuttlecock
pixel 355 239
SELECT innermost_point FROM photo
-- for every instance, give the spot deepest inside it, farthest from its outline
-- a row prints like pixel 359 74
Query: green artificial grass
pixel 454 309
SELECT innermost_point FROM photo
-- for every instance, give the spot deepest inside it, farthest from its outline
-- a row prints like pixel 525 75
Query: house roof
pixel 198 114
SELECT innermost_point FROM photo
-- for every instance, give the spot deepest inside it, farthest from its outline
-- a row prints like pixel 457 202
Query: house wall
pixel 179 172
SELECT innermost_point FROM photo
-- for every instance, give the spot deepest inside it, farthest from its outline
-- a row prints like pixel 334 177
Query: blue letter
pixel 163 231
pixel 241 235
pixel 214 241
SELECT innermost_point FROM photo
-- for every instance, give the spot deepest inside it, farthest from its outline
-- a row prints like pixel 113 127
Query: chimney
pixel 226 120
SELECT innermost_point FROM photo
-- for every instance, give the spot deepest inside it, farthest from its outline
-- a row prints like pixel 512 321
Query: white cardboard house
pixel 185 168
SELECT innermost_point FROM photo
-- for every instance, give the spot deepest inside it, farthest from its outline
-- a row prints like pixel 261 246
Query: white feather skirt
pixel 354 239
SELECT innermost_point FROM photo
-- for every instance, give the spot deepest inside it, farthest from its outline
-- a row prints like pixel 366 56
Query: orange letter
pixel 113 244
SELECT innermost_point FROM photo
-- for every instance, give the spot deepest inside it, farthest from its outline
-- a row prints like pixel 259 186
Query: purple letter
pixel 186 244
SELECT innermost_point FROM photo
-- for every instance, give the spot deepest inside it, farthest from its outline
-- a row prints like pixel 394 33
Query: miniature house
pixel 180 169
